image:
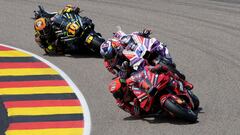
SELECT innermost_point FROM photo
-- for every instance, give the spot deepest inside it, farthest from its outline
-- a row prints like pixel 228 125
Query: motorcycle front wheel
pixel 194 99
pixel 178 111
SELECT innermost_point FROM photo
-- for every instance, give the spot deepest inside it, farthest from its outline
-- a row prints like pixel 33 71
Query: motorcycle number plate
pixel 140 51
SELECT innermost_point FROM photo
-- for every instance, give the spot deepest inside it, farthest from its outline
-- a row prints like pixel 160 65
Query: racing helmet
pixel 42 27
pixel 107 51
pixel 68 8
pixel 40 24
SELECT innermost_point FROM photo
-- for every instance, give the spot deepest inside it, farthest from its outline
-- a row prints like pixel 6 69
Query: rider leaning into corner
pixel 47 39
pixel 112 50
pixel 118 65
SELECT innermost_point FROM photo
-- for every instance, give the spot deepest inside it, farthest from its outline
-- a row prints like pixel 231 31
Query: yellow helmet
pixel 68 8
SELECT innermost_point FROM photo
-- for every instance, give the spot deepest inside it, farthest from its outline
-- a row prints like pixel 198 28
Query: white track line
pixel 86 112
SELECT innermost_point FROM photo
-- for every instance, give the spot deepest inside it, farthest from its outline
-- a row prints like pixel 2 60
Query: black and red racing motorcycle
pixel 65 32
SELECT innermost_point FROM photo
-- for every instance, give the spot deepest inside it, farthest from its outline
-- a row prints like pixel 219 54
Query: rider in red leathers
pixel 121 90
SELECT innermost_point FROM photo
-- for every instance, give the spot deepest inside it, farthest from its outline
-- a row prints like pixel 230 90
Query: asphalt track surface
pixel 202 36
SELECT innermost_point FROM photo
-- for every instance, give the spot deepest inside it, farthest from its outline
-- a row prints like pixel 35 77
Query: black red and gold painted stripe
pixel 38 100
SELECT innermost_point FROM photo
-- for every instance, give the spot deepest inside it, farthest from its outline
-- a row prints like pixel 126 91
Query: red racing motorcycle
pixel 171 95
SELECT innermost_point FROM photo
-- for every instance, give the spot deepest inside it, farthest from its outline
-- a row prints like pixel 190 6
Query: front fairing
pixel 146 101
pixel 183 93
pixel 61 24
pixel 62 20
pixel 138 50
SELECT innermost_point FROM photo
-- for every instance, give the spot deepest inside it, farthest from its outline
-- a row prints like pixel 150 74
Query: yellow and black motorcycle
pixel 65 31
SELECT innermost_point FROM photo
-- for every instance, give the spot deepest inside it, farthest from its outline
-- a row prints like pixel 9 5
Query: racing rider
pixel 118 65
pixel 112 49
pixel 47 38
pixel 121 90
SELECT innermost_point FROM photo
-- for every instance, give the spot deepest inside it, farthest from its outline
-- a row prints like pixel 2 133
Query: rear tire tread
pixel 180 112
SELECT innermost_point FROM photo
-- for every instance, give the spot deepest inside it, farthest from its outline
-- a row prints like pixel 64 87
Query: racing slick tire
pixel 94 42
pixel 195 100
pixel 178 111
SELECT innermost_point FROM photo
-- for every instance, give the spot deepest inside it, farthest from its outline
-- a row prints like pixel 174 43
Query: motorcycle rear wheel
pixel 94 42
pixel 180 112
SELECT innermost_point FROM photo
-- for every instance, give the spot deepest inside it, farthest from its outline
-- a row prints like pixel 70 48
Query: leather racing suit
pixel 67 21
pixel 122 91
